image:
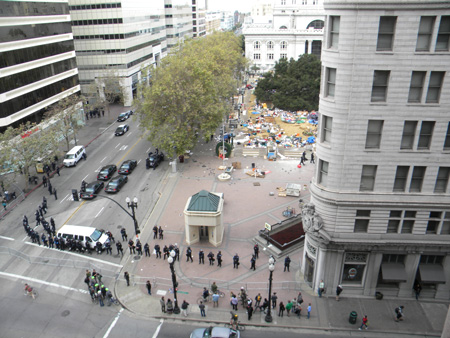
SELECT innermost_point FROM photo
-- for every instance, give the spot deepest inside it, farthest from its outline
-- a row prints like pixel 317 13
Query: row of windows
pixel 270 45
pixel 119 51
pixel 402 221
pixel 97 22
pixel 118 66
pixel 27 100
pixel 427 33
pixel 15 57
pixel 95 6
pixel 21 79
pixel 16 8
pixel 303 2
pixel 120 36
pixel 270 56
pixel 22 32
pixel 419 80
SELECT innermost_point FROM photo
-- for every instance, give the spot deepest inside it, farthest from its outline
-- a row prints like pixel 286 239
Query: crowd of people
pixel 97 290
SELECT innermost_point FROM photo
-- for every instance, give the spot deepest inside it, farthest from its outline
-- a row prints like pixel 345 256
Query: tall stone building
pixel 37 63
pixel 380 214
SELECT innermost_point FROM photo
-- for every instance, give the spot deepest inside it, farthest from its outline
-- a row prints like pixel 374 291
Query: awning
pixel 432 273
pixel 393 272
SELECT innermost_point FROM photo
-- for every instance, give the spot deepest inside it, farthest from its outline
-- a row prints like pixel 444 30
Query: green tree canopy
pixel 190 91
pixel 293 85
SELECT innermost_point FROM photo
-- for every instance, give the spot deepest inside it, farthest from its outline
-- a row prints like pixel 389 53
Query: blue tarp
pixel 311 139
pixel 312 122
pixel 255 112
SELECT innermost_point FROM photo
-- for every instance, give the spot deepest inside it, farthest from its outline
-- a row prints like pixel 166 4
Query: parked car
pixel 116 184
pixel 215 332
pixel 123 116
pixel 122 129
pixel 154 160
pixel 127 167
pixel 92 189
pixel 106 172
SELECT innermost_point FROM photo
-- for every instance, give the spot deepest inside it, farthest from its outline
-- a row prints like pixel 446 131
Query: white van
pixel 74 156
pixel 83 234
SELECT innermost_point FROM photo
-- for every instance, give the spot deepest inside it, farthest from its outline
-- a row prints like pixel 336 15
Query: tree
pixel 293 85
pixel 190 91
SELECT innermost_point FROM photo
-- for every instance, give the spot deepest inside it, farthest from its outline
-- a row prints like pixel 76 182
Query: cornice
pixel 385 4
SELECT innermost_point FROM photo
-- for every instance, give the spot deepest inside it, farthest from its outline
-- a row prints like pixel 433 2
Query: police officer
pixel 201 257
pixel 219 258
pixel 119 248
pixel 124 234
pixel 147 250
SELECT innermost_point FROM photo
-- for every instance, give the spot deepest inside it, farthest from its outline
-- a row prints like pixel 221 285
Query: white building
pixel 262 11
pixel 121 36
pixel 227 21
pixel 212 22
pixel 296 29
pixel 381 194
pixel 178 21
pixel 38 65
pixel 199 18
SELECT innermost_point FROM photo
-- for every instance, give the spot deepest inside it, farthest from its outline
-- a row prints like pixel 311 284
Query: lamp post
pixel 268 317
pixel 171 260
pixel 133 205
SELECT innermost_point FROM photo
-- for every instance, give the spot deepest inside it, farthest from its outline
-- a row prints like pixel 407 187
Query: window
pixel 425 33
pixel 327 123
pixel 408 222
pixel 416 87
pixel 386 31
pixel 323 172
pixel 431 259
pixel 374 130
pixel 283 56
pixel 393 258
pixel 447 138
pixel 283 2
pixel 354 266
pixel 316 24
pixel 283 45
pixel 434 87
pixel 409 133
pixel 368 174
pixel 442 41
pixel 442 180
pixel 257 45
pixel 331 82
pixel 426 133
pixel 270 56
pixel 394 221
pixel 417 179
pixel 257 56
pixel 380 84
pixel 445 229
pixel 334 32
pixel 401 221
pixel 433 222
pixel 400 178
pixel 270 45
pixel 362 220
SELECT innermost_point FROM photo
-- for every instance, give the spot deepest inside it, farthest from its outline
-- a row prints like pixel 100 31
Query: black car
pixel 127 167
pixel 106 172
pixel 122 129
pixel 91 190
pixel 154 160
pixel 116 184
pixel 123 116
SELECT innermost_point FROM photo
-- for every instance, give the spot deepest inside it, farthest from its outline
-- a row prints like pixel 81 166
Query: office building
pixel 199 18
pixel 178 21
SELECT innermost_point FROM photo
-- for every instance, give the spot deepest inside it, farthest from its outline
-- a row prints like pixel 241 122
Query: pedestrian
pixel 215 299
pixel 211 258
pixel 312 158
pixel 236 261
pixel 250 311
pixel 4 204
pixel 264 306
pixel 302 161
pixel 131 247
pixel 53 166
pixel 169 306
pixel 44 181
pixel 281 309
pixel 40 211
pixel 139 247
pixel 189 255
pixel 44 203
pixel 219 259
pixel 100 298
pixel 364 323
pixel 108 247
pixel 184 308
pixel 162 302
pixel 177 252
pixel 127 277
pixel 147 250
pixel 57 171
pixel 256 250
pixel 258 301
pixel 119 248
pixel 50 188
pixel 287 263
pixel 417 289
pixel 149 287
pixel 103 112
pixel 158 251
pixel 201 257
pixel 288 307
pixel 202 309
pixel 399 313
pixel 274 300
pixel 161 231
pixel 54 193
pixel 309 310
pixel 155 232
pixel 124 234
pixel 253 263
pixel 338 292
pixel 321 288
pixel 234 302
pixel 299 298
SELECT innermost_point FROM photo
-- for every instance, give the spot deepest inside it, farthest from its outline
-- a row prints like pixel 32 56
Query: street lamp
pixel 271 268
pixel 171 260
pixel 133 205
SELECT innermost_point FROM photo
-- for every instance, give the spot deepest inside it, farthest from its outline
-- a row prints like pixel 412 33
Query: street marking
pixel 139 161
pixel 158 329
pixel 85 177
pixel 148 150
pixel 134 145
pixel 117 146
pixel 35 280
pixel 113 324
pixel 128 134
pixel 7 238
pixel 103 159
pixel 99 212
pixel 64 198
pixel 74 213
pixel 124 147
pixel 98 169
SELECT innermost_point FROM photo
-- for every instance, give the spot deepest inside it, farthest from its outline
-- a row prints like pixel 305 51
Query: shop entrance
pixel 204 235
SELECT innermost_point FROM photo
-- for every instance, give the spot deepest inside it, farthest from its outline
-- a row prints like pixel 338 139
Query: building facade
pixel 37 65
pixel 296 29
pixel 199 18
pixel 178 21
pixel 119 37
pixel 380 214
pixel 212 22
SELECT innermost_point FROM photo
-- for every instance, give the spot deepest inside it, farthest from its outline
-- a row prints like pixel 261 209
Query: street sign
pixel 268 227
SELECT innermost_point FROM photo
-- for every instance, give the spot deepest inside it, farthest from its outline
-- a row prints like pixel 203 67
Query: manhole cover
pixel 136 258
pixel 65 313
pixel 256 184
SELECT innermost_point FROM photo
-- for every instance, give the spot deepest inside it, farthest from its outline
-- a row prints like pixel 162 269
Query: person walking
pixel 202 309
pixel 50 188
pixel 417 289
pixel 44 181
pixel 119 248
pixel 123 232
pixel 201 257
pixel 312 158
pixel 281 309
pixel 302 161
pixel 189 254
pixel 162 302
pixel 219 259
pixel 149 287
pixel 236 261
pixel 250 311
pixel 54 193
pixel 127 277
pixel 288 307
pixel 321 288
pixel 364 323
pixel 253 263
pixel 338 292
pixel 184 308
pixel 274 300
pixel 147 250
pixel 256 250
pixel 309 310
pixel 57 170
pixel 399 313
pixel 287 263
pixel 155 232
